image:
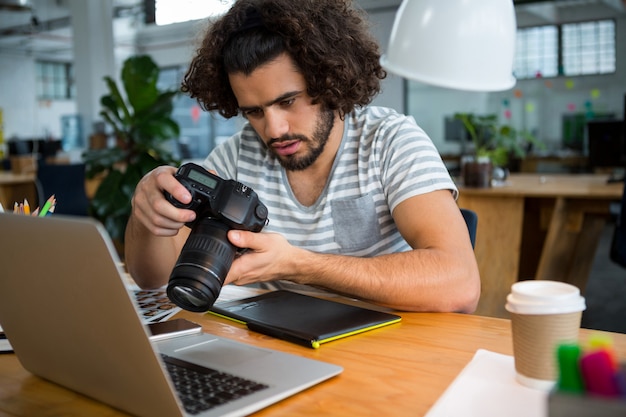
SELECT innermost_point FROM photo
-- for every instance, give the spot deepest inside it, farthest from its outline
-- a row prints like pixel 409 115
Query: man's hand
pixel 268 257
pixel 151 208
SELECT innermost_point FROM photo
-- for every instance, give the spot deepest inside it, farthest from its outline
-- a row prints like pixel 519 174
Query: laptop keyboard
pixel 154 305
pixel 200 388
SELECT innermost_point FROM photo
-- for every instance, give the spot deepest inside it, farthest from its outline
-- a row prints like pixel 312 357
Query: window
pixel 536 52
pixel 589 48
pixel 55 80
pixel 200 131
pixel 569 49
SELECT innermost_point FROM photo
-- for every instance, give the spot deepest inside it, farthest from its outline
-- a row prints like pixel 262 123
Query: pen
pixel 46 206
pixel 26 207
pixel 284 334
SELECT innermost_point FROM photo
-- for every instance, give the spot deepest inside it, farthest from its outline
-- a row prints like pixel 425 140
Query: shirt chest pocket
pixel 355 223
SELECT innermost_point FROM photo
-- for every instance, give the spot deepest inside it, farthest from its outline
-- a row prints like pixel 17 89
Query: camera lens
pixel 204 262
pixel 190 296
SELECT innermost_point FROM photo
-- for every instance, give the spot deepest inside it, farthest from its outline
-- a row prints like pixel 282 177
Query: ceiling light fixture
pixel 458 44
pixel 15 5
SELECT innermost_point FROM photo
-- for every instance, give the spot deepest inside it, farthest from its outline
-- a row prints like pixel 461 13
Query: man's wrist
pixel 308 267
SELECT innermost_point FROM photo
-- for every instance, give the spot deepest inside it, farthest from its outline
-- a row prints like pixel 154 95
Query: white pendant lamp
pixel 458 44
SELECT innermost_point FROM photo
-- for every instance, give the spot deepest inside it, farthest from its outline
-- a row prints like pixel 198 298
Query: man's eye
pixel 252 113
pixel 287 102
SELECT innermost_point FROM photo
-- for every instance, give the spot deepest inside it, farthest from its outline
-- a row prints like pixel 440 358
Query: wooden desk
pixel 16 187
pixel 537 227
pixel 399 370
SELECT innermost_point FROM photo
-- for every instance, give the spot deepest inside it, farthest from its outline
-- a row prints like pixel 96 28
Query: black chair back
pixel 471 219
pixel 67 183
pixel 618 242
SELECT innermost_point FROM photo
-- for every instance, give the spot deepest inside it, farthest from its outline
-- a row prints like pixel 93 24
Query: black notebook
pixel 302 319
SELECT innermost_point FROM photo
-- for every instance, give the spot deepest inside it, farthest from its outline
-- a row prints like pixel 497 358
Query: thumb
pixel 242 238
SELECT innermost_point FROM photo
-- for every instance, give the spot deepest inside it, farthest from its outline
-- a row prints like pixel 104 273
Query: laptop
pixel 71 319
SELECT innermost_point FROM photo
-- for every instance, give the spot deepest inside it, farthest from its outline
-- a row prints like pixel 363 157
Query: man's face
pixel 274 100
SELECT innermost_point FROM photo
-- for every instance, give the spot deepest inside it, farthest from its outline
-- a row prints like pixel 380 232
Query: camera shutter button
pixel 261 211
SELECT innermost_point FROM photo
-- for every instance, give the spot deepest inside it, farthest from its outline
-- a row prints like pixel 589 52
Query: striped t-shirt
pixel 384 158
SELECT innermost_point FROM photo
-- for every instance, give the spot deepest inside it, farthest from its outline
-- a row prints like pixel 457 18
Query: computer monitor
pixel 455 131
pixel 606 144
pixel 573 127
pixel 43 147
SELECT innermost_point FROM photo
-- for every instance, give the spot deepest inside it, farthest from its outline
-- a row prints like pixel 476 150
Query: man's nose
pixel 276 124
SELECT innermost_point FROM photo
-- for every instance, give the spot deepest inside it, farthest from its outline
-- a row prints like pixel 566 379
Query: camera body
pixel 220 205
pixel 231 202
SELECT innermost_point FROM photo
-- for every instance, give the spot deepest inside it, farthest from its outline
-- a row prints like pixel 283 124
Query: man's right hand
pixel 151 208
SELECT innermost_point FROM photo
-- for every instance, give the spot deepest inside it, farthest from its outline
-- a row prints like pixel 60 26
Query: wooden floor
pixel 606 291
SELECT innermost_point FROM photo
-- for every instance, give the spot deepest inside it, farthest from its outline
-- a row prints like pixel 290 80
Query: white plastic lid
pixel 544 297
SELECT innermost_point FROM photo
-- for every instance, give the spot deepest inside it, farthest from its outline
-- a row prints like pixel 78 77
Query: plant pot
pixel 476 172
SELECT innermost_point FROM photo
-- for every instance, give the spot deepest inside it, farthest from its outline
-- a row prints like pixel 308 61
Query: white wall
pixel 392 88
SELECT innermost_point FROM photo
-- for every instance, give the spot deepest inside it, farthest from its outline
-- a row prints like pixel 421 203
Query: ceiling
pixel 42 28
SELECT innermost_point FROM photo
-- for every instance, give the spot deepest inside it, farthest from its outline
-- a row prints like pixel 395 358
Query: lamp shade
pixel 459 44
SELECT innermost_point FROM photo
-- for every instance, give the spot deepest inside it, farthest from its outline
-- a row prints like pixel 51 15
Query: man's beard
pixel 324 126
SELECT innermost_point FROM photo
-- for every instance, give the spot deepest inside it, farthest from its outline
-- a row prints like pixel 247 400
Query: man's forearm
pixel 149 258
pixel 416 280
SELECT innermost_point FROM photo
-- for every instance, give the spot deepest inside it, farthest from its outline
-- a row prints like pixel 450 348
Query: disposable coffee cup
pixel 544 314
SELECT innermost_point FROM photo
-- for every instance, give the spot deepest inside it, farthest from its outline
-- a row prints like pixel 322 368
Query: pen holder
pixel 563 404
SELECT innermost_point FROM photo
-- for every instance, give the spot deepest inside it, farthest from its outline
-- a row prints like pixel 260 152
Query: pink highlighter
pixel 599 373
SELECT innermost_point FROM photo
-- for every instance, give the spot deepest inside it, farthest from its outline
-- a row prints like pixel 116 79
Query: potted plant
pixel 141 122
pixel 494 145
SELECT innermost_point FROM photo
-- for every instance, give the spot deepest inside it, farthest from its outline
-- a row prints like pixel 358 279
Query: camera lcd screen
pixel 202 179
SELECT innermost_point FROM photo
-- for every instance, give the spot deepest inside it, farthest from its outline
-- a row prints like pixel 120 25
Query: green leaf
pixel 498 142
pixel 141 121
pixel 119 103
pixel 140 75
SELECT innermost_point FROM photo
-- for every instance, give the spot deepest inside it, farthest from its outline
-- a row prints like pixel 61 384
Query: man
pixel 359 200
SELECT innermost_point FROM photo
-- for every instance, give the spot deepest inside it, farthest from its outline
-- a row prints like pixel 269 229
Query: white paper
pixel 487 387
pixel 235 292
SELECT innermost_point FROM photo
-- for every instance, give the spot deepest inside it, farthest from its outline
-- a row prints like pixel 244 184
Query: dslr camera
pixel 206 257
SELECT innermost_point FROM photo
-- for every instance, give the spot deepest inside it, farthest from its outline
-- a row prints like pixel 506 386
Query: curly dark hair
pixel 328 40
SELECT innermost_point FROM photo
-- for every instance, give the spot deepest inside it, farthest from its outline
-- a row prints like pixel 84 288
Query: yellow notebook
pixel 302 319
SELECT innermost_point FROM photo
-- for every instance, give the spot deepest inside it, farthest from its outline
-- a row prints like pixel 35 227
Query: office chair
pixel 618 242
pixel 67 183
pixel 471 219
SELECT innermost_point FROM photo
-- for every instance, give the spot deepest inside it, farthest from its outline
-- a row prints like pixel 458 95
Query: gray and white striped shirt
pixel 384 158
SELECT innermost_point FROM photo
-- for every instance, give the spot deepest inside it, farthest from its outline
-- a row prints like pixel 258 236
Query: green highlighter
pixel 570 377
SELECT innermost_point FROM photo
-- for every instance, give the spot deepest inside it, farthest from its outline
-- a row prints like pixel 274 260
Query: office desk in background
pixel 399 370
pixel 537 226
pixel 16 187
